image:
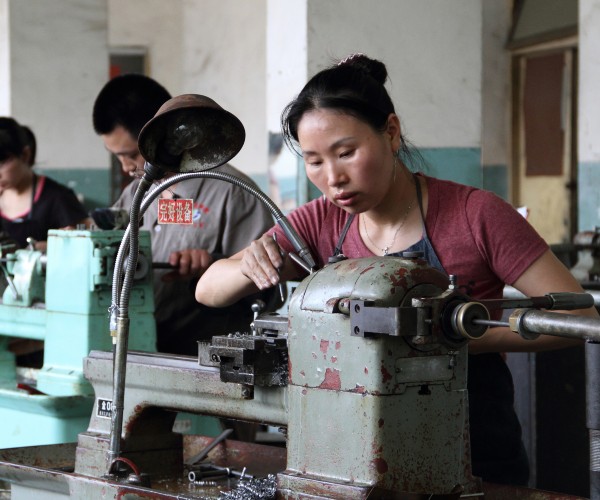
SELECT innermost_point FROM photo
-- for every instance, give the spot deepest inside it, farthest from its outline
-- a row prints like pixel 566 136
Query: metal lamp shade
pixel 191 133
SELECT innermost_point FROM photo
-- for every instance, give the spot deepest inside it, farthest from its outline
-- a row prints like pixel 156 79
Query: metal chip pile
pixel 252 489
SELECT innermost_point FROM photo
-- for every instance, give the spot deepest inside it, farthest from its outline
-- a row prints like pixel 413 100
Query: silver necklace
pixel 386 249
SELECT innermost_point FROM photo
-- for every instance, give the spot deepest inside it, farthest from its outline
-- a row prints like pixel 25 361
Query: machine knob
pixel 142 267
pixel 463 320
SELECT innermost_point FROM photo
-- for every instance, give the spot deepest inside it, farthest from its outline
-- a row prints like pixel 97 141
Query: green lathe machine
pixel 365 375
pixel 62 298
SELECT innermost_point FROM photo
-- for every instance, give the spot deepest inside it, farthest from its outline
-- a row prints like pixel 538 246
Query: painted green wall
pixel 495 179
pixel 588 200
pixel 92 184
pixel 461 165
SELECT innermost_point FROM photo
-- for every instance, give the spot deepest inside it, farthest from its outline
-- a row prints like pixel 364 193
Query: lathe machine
pixel 61 298
pixel 366 375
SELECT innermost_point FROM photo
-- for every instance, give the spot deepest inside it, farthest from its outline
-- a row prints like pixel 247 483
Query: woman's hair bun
pixel 372 67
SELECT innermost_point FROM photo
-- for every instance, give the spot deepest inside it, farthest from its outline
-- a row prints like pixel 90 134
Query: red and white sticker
pixel 177 211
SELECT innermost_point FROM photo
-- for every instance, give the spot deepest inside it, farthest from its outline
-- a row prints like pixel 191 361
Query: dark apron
pixel 497 451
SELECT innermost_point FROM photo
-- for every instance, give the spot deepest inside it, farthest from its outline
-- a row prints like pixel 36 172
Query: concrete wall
pixel 432 50
pixel 57 85
pixel 589 115
pixel 49 82
pixel 433 53
pixel 154 26
pixel 210 47
pixel 287 72
pixel 224 58
pixel 287 64
pixel 283 44
pixel 4 58
pixel 496 95
pixel 439 56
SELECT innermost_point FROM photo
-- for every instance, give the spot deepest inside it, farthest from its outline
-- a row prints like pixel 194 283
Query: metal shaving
pixel 252 489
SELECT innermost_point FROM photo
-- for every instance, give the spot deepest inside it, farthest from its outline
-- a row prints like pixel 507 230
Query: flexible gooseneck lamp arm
pixel 189 134
pixel 297 242
pixel 121 331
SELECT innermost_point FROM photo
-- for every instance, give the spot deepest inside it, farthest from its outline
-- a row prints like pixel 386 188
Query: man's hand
pixel 189 264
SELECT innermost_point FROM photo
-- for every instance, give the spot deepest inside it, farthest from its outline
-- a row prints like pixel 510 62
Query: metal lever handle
pixel 566 301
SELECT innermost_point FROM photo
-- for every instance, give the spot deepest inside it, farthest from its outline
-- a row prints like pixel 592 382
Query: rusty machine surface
pixel 366 373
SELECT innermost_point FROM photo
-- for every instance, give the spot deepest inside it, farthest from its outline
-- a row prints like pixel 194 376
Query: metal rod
pixel 206 451
pixel 281 291
pixel 560 325
pixel 490 322
pixel 301 263
pixel 10 282
pixel 592 380
pixel 162 265
pixel 551 301
pixel 512 293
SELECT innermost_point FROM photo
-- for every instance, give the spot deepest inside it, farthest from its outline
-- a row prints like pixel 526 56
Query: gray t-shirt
pixel 226 219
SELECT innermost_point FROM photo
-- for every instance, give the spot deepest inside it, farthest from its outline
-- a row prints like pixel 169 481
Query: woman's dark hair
pixel 32 143
pixel 354 86
pixel 13 138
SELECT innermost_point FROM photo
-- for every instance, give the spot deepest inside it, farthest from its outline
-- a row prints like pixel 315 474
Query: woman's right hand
pixel 262 261
pixel 261 265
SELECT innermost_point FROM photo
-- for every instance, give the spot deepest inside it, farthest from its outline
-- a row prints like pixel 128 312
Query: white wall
pixel 224 49
pixel 58 60
pixel 496 82
pixel 589 81
pixel 210 47
pixel 287 64
pixel 219 48
pixel 432 49
pixel 4 59
pixel 156 26
pixel 224 58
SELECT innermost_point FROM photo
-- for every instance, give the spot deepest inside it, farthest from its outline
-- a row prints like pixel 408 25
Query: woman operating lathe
pixel 31 204
pixel 345 126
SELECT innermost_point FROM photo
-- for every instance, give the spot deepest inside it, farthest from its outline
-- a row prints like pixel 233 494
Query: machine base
pixel 46 472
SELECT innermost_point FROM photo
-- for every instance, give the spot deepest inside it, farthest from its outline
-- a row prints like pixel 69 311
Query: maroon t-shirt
pixel 477 236
pixel 486 243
